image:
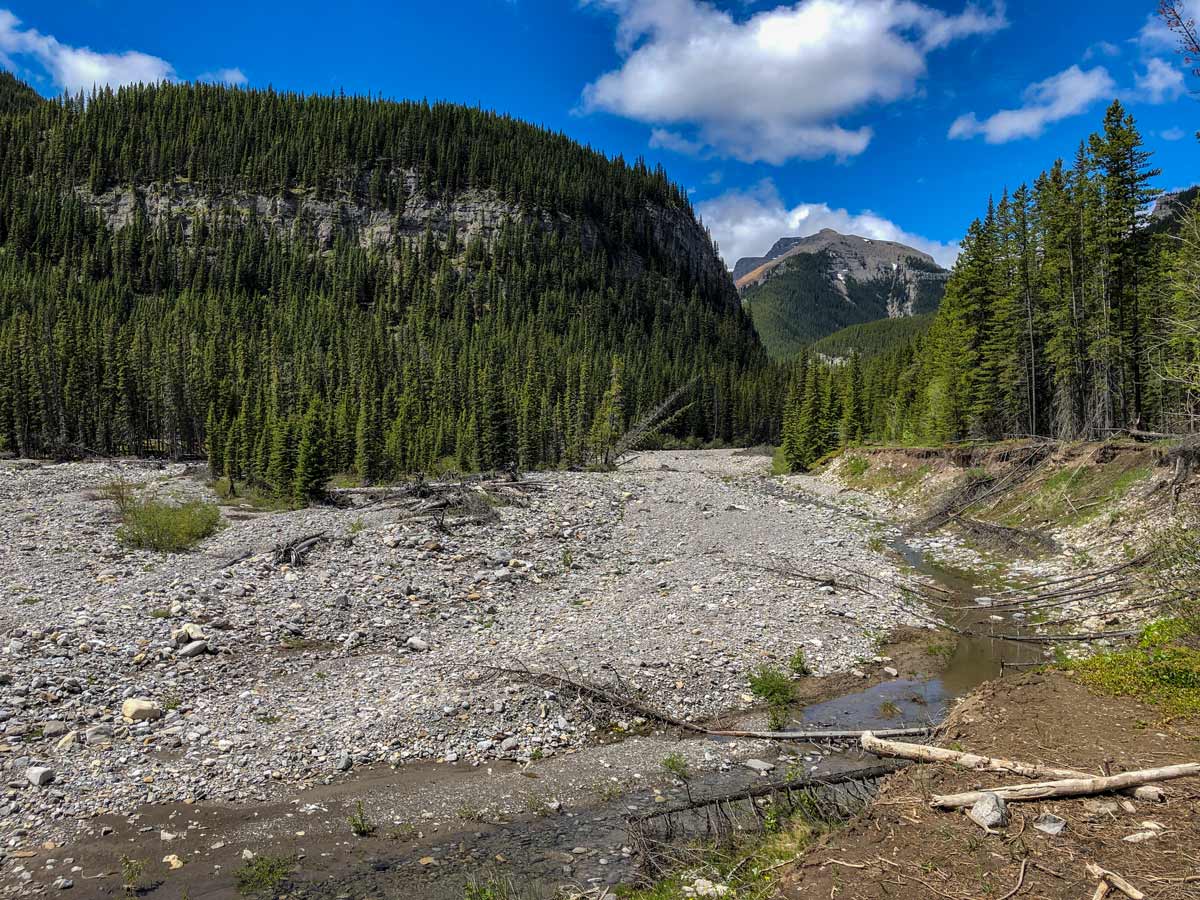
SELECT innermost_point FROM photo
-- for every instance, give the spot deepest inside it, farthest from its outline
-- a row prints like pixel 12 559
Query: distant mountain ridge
pixel 808 287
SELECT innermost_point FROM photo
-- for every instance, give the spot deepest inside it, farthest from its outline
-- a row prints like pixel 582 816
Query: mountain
pixel 1170 209
pixel 16 96
pixel 268 278
pixel 808 287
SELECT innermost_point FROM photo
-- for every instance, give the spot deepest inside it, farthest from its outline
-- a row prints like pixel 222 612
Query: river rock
pixel 195 648
pixel 39 776
pixel 139 709
pixel 990 811
pixel 759 766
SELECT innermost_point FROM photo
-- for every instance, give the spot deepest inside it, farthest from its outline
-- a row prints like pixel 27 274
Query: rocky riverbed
pixel 131 678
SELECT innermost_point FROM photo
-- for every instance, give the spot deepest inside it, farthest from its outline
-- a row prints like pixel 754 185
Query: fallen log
pixel 1069 787
pixel 872 742
pixel 818 734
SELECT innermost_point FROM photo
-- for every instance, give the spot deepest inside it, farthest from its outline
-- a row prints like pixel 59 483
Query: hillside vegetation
pixel 870 339
pixel 1065 316
pixel 296 285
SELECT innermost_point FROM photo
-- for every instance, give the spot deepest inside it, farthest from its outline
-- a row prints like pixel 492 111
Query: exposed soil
pixel 900 848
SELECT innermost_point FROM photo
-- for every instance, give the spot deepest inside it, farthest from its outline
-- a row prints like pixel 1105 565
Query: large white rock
pixel 139 709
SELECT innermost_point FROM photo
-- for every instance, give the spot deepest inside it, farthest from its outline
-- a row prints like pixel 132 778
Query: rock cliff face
pixel 850 256
pixel 474 213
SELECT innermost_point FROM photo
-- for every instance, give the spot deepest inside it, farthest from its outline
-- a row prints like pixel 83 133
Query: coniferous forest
pixel 286 354
pixel 1069 314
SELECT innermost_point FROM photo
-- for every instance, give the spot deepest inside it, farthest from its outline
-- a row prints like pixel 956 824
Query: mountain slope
pixel 251 275
pixel 807 288
pixel 872 338
pixel 16 96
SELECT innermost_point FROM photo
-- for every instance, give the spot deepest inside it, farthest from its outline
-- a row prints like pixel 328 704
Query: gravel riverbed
pixel 131 677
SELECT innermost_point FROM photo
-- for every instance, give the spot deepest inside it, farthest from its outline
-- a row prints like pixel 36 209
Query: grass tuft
pixel 166 527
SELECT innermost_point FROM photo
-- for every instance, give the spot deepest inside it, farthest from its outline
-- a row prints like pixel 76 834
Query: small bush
pixel 120 492
pixel 799 663
pixel 360 825
pixel 772 686
pixel 169 528
pixel 262 875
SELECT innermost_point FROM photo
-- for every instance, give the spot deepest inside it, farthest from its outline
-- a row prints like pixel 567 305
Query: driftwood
pixel 293 552
pixel 872 742
pixel 1113 880
pixel 1070 787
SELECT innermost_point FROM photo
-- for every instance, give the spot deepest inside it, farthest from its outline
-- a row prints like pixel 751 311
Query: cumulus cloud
pixel 748 222
pixel 1060 96
pixel 77 69
pixel 1161 82
pixel 225 76
pixel 775 85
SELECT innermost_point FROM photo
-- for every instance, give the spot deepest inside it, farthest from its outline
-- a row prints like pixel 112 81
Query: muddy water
pixel 973 660
pixel 436 854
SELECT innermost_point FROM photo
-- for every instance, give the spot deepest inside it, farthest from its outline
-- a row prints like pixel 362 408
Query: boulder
pixel 139 709
pixel 39 776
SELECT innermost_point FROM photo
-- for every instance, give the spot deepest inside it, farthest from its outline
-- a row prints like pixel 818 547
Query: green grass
pixel 751 869
pixel 262 875
pixel 242 493
pixel 1074 495
pixel 1159 671
pixel 167 527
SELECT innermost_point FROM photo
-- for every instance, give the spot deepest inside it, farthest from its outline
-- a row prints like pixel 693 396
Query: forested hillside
pixel 295 286
pixel 1067 315
pixel 872 338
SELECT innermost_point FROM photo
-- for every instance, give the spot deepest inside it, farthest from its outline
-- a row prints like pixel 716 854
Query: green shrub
pixel 799 663
pixel 170 528
pixel 772 686
pixel 262 875
pixel 120 491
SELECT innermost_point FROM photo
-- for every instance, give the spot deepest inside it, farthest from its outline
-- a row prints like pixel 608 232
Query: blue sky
pixel 891 118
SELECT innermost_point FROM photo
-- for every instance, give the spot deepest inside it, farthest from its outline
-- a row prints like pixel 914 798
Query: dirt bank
pixel 901 848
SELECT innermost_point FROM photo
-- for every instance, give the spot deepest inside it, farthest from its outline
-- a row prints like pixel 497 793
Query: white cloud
pixel 1173 134
pixel 1102 48
pixel 77 69
pixel 1161 82
pixel 748 222
pixel 773 86
pixel 1060 96
pixel 233 76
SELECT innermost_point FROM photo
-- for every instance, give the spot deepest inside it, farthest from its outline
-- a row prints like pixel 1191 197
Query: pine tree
pixel 312 456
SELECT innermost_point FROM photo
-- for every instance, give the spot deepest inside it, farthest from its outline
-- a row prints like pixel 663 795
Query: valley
pixel 361 683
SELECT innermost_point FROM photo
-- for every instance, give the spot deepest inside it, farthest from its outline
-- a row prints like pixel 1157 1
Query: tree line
pixel 1067 315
